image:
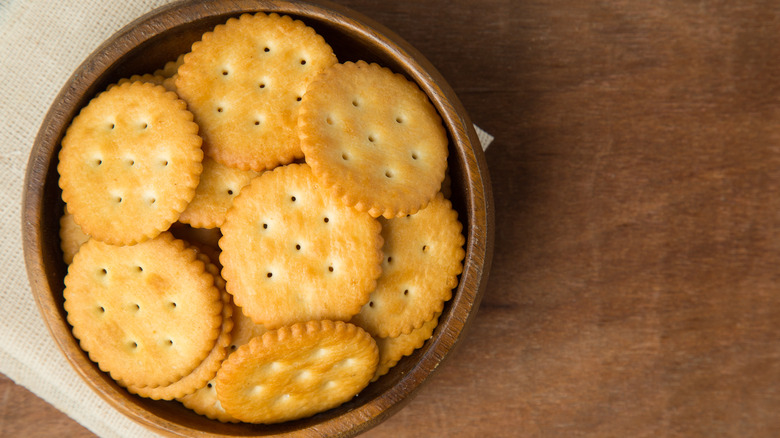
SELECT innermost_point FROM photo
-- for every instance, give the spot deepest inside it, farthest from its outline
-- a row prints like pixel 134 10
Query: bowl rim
pixel 478 200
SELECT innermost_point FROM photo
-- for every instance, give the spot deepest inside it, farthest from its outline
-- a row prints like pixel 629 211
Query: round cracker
pixel 130 163
pixel 297 371
pixel 204 401
pixel 219 184
pixel 423 256
pixel 245 329
pixel 151 78
pixel 291 254
pixel 207 369
pixel 244 82
pixel 147 314
pixel 391 350
pixel 373 139
pixel 71 237
pixel 156 79
pixel 171 67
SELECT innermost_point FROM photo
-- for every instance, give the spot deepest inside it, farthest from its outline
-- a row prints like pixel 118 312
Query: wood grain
pixel 24 415
pixel 634 288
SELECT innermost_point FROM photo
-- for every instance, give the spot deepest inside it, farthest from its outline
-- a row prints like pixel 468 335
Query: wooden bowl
pixel 160 36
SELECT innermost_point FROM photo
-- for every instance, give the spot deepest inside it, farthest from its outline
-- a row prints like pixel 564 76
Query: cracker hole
pixel 210 385
pixel 425 248
pixel 233 347
pixel 370 304
pixel 266 50
pixel 164 162
pixel 303 62
pixel 406 292
pixel 257 122
pixel 230 192
pixel 389 259
pixel 330 268
pixel 98 162
pixel 139 268
pixel 399 119
pixel 113 126
pixel 172 305
pixel 224 72
pixel 298 247
pixel 152 200
pixel 265 226
pixel 298 99
pixel 170 342
pixel 371 138
pixel 119 199
pixel 103 271
pixel 355 103
pixel 292 198
pixel 261 85
pixel 102 309
pixel 219 109
pixel 269 275
pixel 344 156
pixel 329 121
pixel 388 174
pixel 137 307
pixel 326 220
pixel 414 156
pixel 133 344
pixel 144 125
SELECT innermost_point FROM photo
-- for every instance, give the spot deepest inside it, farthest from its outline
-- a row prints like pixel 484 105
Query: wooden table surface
pixel 636 176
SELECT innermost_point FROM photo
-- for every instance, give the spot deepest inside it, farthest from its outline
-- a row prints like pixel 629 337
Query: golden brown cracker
pixel 130 163
pixel 204 401
pixel 372 139
pixel 296 371
pixel 171 67
pixel 422 260
pixel 219 184
pixel 147 314
pixel 291 254
pixel 151 78
pixel 71 237
pixel 245 329
pixel 391 350
pixel 207 369
pixel 244 81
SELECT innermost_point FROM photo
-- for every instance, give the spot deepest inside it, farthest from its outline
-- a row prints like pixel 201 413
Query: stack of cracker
pixel 257 230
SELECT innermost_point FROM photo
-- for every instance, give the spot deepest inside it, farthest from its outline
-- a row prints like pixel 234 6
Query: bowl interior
pixel 146 45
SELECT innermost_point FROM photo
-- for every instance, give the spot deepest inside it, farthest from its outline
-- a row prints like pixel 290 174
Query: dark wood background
pixel 636 168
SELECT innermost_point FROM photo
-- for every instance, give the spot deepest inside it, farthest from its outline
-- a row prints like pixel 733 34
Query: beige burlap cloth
pixel 41 43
